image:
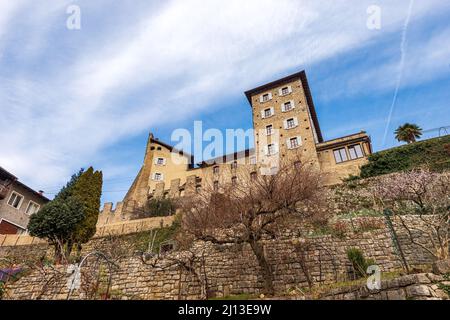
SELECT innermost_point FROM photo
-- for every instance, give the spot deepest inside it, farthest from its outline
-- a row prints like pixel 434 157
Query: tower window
pixel 267 113
pixel 271 149
pixel 253 176
pixel 233 181
pixel 158 176
pixel 287 106
pixel 160 161
pixel 216 170
pixel 266 97
pixel 285 91
pixel 294 143
pixel 234 165
pixel 269 130
pixel 290 123
pixel 216 186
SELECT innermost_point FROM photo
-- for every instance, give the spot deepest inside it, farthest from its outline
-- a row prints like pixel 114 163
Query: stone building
pixel 17 203
pixel 286 127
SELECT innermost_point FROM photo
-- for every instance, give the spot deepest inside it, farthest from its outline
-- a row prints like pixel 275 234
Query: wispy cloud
pixel 70 94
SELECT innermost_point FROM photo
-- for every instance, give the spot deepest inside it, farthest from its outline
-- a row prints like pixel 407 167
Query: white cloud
pixel 179 56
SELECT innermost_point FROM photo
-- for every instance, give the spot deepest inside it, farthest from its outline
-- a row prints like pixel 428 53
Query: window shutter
pixel 155 160
pixel 262 114
pixel 266 150
pixel 275 148
pixel 285 125
pixel 290 89
pixel 272 111
pixel 162 176
pixel 270 96
pixel 299 139
pixel 292 104
pixel 283 109
pixel 296 121
pixel 164 161
pixel 153 176
pixel 261 99
pixel 280 92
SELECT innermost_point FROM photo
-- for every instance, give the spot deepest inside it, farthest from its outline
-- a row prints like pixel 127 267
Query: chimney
pixel 41 192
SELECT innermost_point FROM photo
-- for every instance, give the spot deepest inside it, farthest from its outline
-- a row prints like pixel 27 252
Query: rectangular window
pixel 160 161
pixel 287 106
pixel 294 143
pixel 290 123
pixel 340 155
pixel 297 164
pixel 285 91
pixel 270 149
pixel 32 208
pixel 253 176
pixel 216 170
pixel 158 176
pixel 265 97
pixel 355 152
pixel 15 200
pixel 267 113
pixel 234 181
pixel 269 130
pixel 234 165
pixel 216 185
pixel 253 160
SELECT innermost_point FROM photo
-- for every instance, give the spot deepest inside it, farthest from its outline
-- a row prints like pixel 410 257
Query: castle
pixel 285 124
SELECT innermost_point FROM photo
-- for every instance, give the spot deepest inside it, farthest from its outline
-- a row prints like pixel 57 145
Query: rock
pixel 396 295
pixel 418 291
pixel 441 266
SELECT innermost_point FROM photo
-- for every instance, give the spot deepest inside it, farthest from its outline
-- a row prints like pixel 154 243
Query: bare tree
pixel 247 209
pixel 424 194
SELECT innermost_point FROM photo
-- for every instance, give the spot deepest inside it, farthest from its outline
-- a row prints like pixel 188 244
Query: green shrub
pixel 359 262
pixel 433 153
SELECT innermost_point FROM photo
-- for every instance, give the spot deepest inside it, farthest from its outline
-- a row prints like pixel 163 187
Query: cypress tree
pixel 88 191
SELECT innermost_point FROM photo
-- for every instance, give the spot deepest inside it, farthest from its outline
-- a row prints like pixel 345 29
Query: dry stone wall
pixel 232 269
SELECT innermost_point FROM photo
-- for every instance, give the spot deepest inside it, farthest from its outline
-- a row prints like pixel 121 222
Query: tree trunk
pixel 266 269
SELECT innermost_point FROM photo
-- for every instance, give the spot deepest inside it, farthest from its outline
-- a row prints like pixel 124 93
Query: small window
pixel 269 130
pixel 253 176
pixel 159 148
pixel 266 97
pixel 160 161
pixel 216 185
pixel 267 112
pixel 15 200
pixel 253 160
pixel 340 155
pixel 290 123
pixel 216 170
pixel 32 208
pixel 287 106
pixel 152 148
pixel 297 164
pixel 198 189
pixel 355 152
pixel 233 181
pixel 294 143
pixel 271 149
pixel 234 165
pixel 285 91
pixel 158 176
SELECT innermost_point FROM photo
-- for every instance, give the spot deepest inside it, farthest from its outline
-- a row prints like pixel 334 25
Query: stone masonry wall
pixel 231 269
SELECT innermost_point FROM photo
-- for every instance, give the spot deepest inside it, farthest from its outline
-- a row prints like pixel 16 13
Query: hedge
pixel 434 153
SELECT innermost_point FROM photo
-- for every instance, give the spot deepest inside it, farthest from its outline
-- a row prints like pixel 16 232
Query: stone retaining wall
pixel 232 269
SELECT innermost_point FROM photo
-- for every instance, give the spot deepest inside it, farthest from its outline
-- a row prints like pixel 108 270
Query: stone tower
pixel 284 119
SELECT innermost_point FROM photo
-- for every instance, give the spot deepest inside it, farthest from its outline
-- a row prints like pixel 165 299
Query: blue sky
pixel 74 98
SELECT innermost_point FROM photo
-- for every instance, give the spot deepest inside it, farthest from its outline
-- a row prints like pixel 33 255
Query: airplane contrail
pixel 400 73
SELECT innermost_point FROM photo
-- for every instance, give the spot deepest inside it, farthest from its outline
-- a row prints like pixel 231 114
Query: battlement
pixel 109 215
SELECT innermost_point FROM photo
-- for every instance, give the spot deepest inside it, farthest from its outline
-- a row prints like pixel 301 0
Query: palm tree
pixel 408 132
